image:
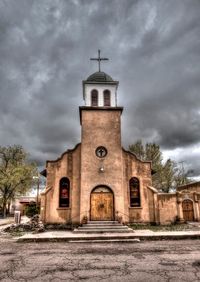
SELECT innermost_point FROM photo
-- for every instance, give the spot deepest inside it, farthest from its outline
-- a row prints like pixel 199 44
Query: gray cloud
pixel 154 52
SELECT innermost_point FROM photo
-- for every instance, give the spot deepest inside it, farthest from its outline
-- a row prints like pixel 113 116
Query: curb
pixel 99 239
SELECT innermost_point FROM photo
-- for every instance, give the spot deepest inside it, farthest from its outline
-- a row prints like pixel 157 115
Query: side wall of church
pixel 153 205
pixel 134 167
pixel 167 208
pixel 67 166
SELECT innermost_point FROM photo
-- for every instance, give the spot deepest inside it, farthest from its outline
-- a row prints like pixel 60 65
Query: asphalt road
pixel 143 261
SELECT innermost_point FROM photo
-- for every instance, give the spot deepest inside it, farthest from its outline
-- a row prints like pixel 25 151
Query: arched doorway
pixel 102 204
pixel 188 211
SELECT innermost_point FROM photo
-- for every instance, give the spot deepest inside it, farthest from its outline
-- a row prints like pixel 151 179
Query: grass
pixel 157 228
pixel 17 233
pixel 59 226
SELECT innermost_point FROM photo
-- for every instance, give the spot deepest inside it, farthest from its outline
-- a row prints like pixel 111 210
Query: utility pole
pixel 38 188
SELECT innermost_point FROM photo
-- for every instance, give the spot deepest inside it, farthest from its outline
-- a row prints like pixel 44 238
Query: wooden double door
pixel 188 211
pixel 102 204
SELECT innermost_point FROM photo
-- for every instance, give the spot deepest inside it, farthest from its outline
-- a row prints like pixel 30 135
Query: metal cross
pixel 101 152
pixel 99 59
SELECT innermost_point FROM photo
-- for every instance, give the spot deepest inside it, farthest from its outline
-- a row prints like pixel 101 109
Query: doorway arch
pixel 188 210
pixel 102 204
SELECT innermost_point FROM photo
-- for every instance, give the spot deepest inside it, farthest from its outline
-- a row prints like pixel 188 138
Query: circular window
pixel 101 152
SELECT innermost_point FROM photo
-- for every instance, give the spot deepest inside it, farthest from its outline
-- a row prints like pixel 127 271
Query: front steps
pixel 99 227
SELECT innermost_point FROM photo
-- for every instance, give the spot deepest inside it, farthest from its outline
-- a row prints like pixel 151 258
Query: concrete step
pixel 97 227
pixel 103 222
pixel 109 240
pixel 100 231
pixel 103 226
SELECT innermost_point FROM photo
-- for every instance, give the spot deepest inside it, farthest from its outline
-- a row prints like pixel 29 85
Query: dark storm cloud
pixel 154 52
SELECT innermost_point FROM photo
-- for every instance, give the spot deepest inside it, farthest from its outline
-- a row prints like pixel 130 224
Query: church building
pixel 98 180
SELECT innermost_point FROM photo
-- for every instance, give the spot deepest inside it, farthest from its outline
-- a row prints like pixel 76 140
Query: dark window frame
pixel 106 98
pixel 134 187
pixel 64 193
pixel 94 98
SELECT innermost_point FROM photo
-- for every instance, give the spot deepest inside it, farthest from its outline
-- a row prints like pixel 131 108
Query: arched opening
pixel 64 191
pixel 134 186
pixel 94 98
pixel 188 211
pixel 106 97
pixel 102 204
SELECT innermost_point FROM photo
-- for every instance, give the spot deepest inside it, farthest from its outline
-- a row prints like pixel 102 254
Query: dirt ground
pixel 142 261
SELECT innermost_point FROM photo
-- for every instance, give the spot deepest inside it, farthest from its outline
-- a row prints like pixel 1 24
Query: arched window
pixel 64 192
pixel 134 185
pixel 106 97
pixel 94 97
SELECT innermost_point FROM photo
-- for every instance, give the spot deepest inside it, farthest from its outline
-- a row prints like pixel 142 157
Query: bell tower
pixel 101 152
pixel 100 90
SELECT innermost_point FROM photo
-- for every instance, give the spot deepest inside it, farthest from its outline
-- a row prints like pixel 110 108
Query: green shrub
pixel 32 209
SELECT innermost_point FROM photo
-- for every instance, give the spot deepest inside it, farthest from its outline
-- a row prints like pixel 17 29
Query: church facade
pixel 99 180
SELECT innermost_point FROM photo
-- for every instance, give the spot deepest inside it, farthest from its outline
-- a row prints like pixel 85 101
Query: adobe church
pixel 99 180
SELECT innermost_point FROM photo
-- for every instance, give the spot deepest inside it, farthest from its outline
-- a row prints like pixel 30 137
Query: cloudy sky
pixel 154 52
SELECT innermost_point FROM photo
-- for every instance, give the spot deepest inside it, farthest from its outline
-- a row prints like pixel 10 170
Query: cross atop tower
pixel 99 59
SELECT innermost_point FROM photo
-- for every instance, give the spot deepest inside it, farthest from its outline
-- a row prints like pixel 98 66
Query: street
pixel 142 261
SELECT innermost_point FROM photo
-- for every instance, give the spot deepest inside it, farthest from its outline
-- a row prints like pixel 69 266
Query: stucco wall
pixel 167 206
pixel 100 89
pixel 152 201
pixel 66 166
pixel 195 186
pixel 105 131
pixel 134 167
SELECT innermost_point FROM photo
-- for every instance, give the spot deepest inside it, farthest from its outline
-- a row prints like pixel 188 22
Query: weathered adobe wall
pixel 133 167
pixel 66 166
pixel 167 208
pixel 152 206
pixel 192 195
pixel 75 186
pixel 193 187
pixel 105 131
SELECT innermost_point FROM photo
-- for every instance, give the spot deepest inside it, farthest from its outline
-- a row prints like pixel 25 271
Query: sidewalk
pixel 69 236
pixel 7 220
pixel 10 220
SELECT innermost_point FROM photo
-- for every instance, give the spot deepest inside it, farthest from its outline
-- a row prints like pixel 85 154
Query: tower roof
pixel 99 76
